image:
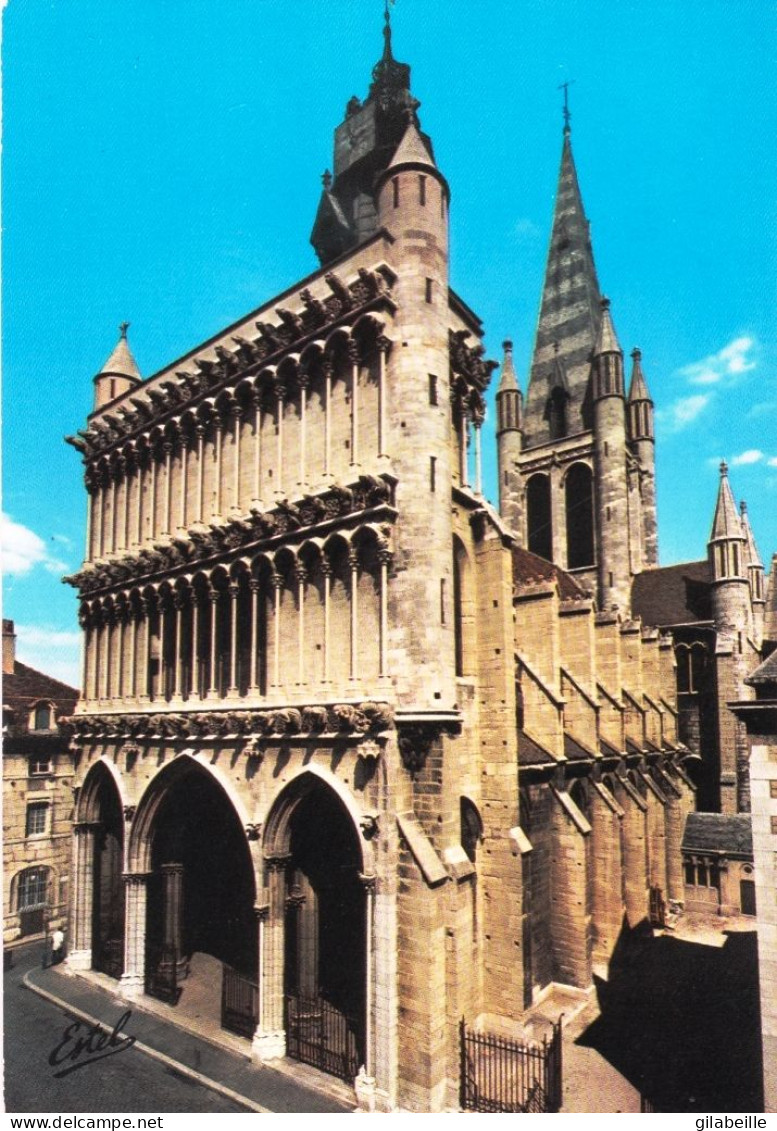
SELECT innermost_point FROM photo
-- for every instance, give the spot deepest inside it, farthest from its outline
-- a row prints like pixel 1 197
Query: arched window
pixel 463 609
pixel 32 888
pixel 538 516
pixel 579 497
pixel 42 717
pixel 471 828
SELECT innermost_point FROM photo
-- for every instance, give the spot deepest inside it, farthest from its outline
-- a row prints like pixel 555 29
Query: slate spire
pixel 569 317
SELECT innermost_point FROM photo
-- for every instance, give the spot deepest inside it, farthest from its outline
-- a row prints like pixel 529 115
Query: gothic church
pixel 384 756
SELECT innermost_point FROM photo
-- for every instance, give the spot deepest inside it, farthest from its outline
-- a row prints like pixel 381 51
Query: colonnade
pixel 310 420
pixel 315 616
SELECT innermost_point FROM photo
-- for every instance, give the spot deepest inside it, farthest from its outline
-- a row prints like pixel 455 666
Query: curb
pixel 198 1077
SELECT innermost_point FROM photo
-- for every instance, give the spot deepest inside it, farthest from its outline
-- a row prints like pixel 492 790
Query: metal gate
pixel 109 957
pixel 162 974
pixel 503 1075
pixel 657 908
pixel 319 1034
pixel 239 1003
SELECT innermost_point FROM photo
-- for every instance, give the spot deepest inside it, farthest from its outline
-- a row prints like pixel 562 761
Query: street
pixel 127 1081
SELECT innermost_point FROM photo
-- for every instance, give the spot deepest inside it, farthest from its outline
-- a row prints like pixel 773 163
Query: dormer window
pixel 43 717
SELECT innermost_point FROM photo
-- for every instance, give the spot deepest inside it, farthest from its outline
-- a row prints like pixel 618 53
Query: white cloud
pixel 752 455
pixel 684 411
pixel 22 550
pixel 50 650
pixel 772 462
pixel 731 361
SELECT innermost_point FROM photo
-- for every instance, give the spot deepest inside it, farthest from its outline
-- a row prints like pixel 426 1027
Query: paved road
pixel 128 1081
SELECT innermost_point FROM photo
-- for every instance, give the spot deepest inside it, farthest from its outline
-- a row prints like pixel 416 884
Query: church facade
pixel 390 756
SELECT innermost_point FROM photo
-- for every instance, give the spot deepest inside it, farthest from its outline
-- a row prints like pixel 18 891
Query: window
pixel 433 395
pixel 37 818
pixel 422 190
pixel 773 788
pixel 395 184
pixel 578 492
pixel 428 290
pixel 39 765
pixel 432 473
pixel 538 516
pixel 33 884
pixel 42 718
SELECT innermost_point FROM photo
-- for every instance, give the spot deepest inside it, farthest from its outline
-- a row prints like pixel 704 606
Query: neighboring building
pixel 37 797
pixel 718 864
pixel 344 728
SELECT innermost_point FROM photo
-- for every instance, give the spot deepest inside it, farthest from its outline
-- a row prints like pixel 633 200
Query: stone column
pixel 172 936
pixel 90 498
pixel 300 575
pixel 140 475
pixel 179 603
pixel 200 433
pixel 256 400
pixel 80 956
pixel 213 597
pixel 132 981
pixel 328 369
pixel 162 656
pixel 184 478
pixel 125 467
pixel 280 392
pixel 153 493
pixel 353 562
pixel 463 447
pixel 277 584
pixel 135 615
pixel 303 382
pixel 234 592
pixel 326 569
pixel 194 682
pixel 253 586
pixel 384 557
pixel 106 642
pixel 145 612
pixel 167 447
pixel 353 357
pixel 121 621
pixel 384 346
pixel 478 461
pixel 100 523
pixel 218 440
pixel 269 1041
pixel 365 1081
pixel 114 473
pixel 237 417
pixel 262 912
pixel 83 621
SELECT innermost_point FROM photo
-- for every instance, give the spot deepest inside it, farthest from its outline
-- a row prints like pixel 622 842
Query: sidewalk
pixel 261 1089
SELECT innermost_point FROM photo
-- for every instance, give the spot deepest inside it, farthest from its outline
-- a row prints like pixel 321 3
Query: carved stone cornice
pixel 415 739
pixel 337 720
pixel 262 528
pixel 470 374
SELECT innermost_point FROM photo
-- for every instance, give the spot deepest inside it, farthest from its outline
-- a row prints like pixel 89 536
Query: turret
pixel 727 549
pixel 611 484
pixel 509 417
pixel 641 435
pixel 119 374
pixel 755 575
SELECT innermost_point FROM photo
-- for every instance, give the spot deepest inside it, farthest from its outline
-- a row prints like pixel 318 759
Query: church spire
pixel 569 316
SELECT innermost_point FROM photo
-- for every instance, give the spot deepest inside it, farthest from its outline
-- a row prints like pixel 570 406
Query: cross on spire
pixel 566 111
pixel 123 327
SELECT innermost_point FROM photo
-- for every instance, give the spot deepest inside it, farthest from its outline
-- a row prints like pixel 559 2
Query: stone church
pixel 391 757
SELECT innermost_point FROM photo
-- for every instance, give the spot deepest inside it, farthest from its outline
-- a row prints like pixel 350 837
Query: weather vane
pixel 566 111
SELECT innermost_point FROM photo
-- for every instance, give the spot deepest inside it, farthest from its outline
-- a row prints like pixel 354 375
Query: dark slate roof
pixel 575 750
pixel 678 594
pixel 27 686
pixel 608 750
pixel 766 673
pixel 530 753
pixel 530 569
pixel 707 833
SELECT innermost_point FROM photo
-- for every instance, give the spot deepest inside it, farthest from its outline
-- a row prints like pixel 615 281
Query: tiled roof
pixel 27 686
pixel 766 673
pixel 575 750
pixel 529 569
pixel 678 594
pixel 530 753
pixel 719 833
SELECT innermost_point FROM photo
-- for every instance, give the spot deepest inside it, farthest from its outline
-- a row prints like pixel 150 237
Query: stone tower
pixel 120 373
pixel 509 413
pixel 576 474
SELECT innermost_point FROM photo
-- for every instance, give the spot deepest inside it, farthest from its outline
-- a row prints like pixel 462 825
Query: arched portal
pixel 539 516
pixel 190 843
pixel 100 807
pixel 320 903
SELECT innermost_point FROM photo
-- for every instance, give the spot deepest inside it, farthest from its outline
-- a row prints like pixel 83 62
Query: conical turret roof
pixel 508 382
pixel 606 339
pixel 752 557
pixel 412 149
pixel 570 307
pixel 726 523
pixel 121 363
pixel 638 390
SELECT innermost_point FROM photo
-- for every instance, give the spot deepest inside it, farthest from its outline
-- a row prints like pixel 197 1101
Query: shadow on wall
pixel 681 1021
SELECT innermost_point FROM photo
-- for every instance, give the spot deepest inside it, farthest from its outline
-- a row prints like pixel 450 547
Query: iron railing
pixel 239 1003
pixel 320 1035
pixel 499 1074
pixel 162 974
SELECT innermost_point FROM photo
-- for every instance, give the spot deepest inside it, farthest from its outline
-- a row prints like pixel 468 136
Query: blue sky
pixel 162 162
